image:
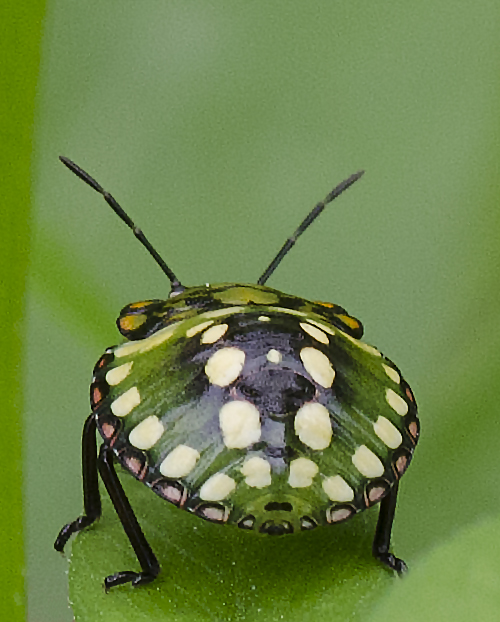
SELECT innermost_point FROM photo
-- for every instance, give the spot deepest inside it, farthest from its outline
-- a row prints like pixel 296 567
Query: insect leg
pixel 382 539
pixel 91 497
pixel 146 557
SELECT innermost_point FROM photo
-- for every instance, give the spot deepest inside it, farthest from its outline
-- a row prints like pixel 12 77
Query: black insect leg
pixel 382 539
pixel 91 497
pixel 146 557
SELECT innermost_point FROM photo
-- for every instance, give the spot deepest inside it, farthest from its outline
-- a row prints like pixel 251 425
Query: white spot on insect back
pixel 224 366
pixel 264 318
pixel 387 432
pixel 364 346
pixel 367 348
pixel 194 330
pixel 159 337
pixel 240 424
pixel 116 375
pixel 273 356
pixel 222 312
pixel 257 472
pixel 367 463
pixel 214 333
pixel 126 402
pixel 147 433
pixel 179 462
pixel 217 487
pixel 288 311
pixel 315 332
pixel 302 471
pixel 318 366
pixel 327 329
pixel 396 402
pixel 130 347
pixel 143 345
pixel 338 489
pixel 392 373
pixel 312 425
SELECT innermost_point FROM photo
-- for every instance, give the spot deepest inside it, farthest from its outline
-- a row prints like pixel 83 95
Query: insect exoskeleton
pixel 246 406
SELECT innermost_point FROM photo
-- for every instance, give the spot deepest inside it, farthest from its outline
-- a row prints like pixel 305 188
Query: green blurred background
pixel 218 125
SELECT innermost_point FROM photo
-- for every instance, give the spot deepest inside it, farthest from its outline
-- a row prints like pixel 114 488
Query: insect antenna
pixel 177 288
pixel 313 214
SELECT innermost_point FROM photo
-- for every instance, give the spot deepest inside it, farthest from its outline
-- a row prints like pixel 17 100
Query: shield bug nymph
pixel 245 406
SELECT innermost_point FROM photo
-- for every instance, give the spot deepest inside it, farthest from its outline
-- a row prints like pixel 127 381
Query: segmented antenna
pixel 177 288
pixel 310 218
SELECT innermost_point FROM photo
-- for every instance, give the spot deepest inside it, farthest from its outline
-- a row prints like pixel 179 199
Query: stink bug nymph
pixel 245 406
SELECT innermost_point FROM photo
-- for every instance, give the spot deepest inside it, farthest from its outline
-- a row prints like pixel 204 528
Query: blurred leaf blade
pixel 457 581
pixel 220 121
pixel 20 35
pixel 60 279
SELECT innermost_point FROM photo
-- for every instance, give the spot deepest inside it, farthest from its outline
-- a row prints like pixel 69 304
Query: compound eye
pixel 339 317
pixel 327 305
pixel 138 319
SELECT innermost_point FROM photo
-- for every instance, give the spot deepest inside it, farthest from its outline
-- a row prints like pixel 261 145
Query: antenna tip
pixel 343 186
pixel 69 163
pixel 79 172
pixel 354 177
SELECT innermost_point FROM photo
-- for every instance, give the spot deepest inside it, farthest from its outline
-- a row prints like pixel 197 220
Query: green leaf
pixel 219 573
pixel 217 125
pixel 63 283
pixel 20 30
pixel 457 581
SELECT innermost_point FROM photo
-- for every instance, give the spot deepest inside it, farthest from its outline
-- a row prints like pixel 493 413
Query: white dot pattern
pixel 273 356
pixel 214 333
pixel 194 330
pixel 224 366
pixel 217 487
pixel 257 472
pixel 313 426
pixel 338 489
pixel 124 404
pixel 392 373
pixel 318 366
pixel 327 329
pixel 240 424
pixel 118 374
pixel 147 433
pixel 315 332
pixel 396 402
pixel 179 462
pixel 367 463
pixel 302 472
pixel 387 432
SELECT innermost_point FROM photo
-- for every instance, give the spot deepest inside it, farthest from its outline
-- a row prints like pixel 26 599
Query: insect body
pixel 246 406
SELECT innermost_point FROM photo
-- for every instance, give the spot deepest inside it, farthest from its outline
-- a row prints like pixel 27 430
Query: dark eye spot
pixel 249 392
pixel 302 391
pixel 307 523
pixel 273 529
pixel 277 506
pixel 247 523
pixel 280 453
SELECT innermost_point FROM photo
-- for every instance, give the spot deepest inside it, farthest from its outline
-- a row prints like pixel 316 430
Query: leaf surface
pixel 218 573
pixel 457 582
